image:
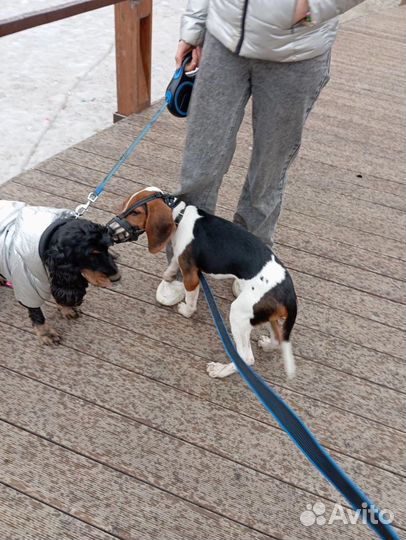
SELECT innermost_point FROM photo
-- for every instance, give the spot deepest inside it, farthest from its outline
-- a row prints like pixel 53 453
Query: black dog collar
pixel 179 217
pixel 49 231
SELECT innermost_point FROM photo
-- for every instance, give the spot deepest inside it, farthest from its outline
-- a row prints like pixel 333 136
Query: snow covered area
pixel 58 80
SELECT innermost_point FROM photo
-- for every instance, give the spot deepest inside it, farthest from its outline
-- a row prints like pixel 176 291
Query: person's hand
pixel 185 48
pixel 302 8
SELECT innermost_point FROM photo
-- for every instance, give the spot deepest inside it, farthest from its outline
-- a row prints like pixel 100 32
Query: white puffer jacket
pixel 21 228
pixel 264 29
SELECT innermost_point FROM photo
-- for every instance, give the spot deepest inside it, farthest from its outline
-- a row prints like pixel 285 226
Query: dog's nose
pixel 115 277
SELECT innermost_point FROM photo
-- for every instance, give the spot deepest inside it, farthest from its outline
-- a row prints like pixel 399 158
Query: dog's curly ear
pixel 68 292
pixel 159 225
pixel 68 287
pixel 57 260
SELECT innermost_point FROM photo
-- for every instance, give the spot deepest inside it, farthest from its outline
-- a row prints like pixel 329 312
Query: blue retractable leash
pixel 177 98
pixel 177 101
pixel 179 90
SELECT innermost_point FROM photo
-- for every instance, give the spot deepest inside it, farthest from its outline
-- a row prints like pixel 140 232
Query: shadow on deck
pixel 119 432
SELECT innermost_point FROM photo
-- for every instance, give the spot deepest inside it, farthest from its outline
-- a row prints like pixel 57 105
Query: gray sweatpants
pixel 282 97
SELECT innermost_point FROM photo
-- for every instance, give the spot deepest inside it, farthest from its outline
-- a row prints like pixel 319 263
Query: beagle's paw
pixel 185 310
pixel 47 335
pixel 170 293
pixel 69 312
pixel 268 343
pixel 219 371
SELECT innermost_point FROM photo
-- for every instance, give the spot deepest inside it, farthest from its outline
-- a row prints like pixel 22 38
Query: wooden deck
pixel 120 433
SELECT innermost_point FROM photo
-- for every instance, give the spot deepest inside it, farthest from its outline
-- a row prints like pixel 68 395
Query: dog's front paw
pixel 268 343
pixel 69 312
pixel 47 335
pixel 219 371
pixel 185 310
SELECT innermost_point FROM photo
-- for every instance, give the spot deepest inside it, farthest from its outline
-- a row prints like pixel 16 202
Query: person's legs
pixel 219 97
pixel 283 94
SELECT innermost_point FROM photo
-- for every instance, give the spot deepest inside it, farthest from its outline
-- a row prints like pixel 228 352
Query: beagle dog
pixel 206 243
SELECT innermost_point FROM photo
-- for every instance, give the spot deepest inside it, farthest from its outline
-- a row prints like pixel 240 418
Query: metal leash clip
pixel 81 209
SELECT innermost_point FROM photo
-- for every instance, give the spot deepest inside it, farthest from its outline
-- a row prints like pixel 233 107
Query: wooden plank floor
pixel 119 432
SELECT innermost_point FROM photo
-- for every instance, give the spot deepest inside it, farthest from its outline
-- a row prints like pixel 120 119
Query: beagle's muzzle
pixel 122 230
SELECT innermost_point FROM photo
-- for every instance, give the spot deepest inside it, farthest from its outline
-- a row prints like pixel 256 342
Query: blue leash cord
pixel 94 195
pixel 100 188
pixel 297 430
pixel 177 99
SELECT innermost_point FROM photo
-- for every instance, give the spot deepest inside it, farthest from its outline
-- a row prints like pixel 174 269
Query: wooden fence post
pixel 133 24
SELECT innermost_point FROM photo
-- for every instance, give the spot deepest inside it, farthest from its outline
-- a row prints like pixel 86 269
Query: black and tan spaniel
pixel 47 252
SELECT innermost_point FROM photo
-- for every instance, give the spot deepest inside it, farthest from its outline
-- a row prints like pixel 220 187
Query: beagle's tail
pixel 286 345
pixel 288 359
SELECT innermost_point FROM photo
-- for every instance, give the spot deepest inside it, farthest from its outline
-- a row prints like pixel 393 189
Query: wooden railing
pixel 133 35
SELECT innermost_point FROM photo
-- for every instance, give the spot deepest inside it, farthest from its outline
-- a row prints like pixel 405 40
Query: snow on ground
pixel 58 80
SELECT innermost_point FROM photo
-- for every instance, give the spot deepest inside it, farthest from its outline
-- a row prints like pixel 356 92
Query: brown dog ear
pixel 159 225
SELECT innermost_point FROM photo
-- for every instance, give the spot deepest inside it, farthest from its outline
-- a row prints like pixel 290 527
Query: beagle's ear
pixel 159 225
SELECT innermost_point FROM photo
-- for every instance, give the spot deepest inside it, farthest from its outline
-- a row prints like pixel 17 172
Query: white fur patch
pixel 184 233
pixel 151 188
pixel 254 289
pixel 272 274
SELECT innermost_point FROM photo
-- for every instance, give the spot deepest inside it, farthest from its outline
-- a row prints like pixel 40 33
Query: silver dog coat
pixel 21 228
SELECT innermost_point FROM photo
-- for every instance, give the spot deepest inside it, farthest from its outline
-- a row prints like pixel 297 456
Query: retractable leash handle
pixel 298 431
pixel 179 90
